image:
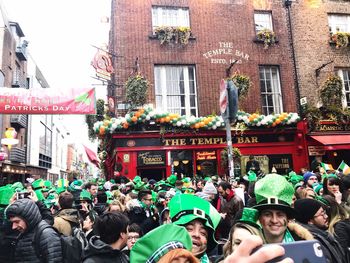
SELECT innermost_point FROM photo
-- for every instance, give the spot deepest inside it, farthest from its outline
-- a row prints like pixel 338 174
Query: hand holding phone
pixel 301 252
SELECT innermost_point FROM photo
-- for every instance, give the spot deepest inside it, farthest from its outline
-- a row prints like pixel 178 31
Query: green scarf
pixel 204 259
pixel 288 238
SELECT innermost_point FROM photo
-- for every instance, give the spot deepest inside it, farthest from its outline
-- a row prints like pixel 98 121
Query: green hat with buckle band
pixel 168 237
pixel 185 208
pixel 274 192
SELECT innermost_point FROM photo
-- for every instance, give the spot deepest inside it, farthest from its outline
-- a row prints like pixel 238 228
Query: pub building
pixel 329 140
pixel 149 154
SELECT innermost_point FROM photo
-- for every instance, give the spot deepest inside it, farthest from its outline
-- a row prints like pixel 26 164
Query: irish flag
pixel 344 168
pixel 327 166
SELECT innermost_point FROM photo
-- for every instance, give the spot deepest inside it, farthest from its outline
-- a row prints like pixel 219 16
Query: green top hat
pixel 6 192
pixel 110 197
pixel 168 237
pixel 76 185
pixel 295 178
pixel 17 186
pixel 251 176
pixel 274 192
pixel 47 186
pixel 38 185
pixel 185 208
pixel 171 180
pixel 250 216
pixel 85 196
pixel 51 200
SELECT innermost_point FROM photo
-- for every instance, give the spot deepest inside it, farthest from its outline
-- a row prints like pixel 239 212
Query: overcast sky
pixel 61 35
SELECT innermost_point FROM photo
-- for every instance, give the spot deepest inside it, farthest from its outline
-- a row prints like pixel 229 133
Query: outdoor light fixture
pixel 185 161
pixel 176 163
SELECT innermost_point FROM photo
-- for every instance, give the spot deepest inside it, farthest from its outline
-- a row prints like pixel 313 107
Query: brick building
pixel 185 79
pixel 222 31
pixel 317 57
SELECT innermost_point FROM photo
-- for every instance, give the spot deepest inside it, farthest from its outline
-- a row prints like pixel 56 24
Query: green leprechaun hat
pixel 38 185
pixel 250 216
pixel 274 192
pixel 6 192
pixel 185 208
pixel 168 237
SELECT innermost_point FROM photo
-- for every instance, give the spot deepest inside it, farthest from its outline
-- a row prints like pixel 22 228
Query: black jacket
pixel 342 234
pixel 98 252
pixel 331 248
pixel 50 243
pixel 147 220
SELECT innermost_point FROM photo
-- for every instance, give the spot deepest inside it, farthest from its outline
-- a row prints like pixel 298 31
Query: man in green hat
pixel 200 219
pixel 143 212
pixel 274 198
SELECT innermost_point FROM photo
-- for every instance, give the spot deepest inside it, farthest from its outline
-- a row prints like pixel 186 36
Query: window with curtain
pixel 262 20
pixel 270 88
pixel 339 23
pixel 170 16
pixel 175 89
pixel 345 76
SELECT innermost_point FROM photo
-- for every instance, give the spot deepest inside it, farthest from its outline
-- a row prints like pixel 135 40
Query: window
pixel 170 16
pixel 45 142
pixel 339 23
pixel 345 76
pixel 175 88
pixel 263 20
pixel 270 88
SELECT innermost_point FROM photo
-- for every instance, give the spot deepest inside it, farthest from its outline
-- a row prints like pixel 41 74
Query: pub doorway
pixel 152 173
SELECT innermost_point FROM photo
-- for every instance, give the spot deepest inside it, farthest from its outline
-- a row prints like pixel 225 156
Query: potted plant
pixel 267 36
pixel 167 34
pixel 341 39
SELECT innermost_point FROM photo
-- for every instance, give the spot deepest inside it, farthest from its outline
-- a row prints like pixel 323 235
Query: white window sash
pixel 263 18
pixel 344 101
pixel 169 16
pixel 168 91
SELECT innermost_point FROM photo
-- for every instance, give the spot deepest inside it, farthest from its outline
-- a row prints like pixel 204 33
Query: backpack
pixel 72 246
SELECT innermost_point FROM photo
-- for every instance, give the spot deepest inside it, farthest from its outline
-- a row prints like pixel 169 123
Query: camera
pixel 23 195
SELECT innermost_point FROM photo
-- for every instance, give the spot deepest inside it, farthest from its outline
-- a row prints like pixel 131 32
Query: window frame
pixel 276 92
pixel 340 73
pixel 263 12
pixel 331 22
pixel 164 95
pixel 185 15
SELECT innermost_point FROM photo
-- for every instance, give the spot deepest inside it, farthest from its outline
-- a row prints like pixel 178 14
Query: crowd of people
pixel 175 220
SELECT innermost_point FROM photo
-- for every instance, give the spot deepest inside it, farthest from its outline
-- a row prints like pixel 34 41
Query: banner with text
pixel 47 101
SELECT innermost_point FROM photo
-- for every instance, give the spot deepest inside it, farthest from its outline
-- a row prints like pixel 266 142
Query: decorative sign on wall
pixel 151 158
pixel 225 53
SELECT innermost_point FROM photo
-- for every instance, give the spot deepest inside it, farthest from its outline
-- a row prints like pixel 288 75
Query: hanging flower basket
pixel 176 35
pixel 243 84
pixel 332 91
pixel 267 36
pixel 340 39
pixel 136 91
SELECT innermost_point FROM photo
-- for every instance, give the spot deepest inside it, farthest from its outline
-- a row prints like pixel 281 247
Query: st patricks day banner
pixel 47 101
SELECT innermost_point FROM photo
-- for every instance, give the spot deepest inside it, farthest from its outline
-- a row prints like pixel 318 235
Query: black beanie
pixel 306 209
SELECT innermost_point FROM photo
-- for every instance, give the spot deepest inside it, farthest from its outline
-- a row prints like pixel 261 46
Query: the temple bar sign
pixel 150 158
pixel 225 53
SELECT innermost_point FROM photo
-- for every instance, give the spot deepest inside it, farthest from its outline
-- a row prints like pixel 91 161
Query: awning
pixel 334 141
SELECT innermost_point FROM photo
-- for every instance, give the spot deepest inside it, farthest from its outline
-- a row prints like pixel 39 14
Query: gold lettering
pixel 167 142
pixel 182 141
pixel 240 140
pixel 200 141
pixel 208 141
pixel 254 139
pixel 193 141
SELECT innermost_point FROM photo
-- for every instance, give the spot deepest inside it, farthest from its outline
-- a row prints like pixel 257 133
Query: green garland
pixel 149 116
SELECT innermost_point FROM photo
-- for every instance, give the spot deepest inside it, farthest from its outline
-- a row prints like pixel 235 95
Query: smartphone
pixel 21 195
pixel 308 251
